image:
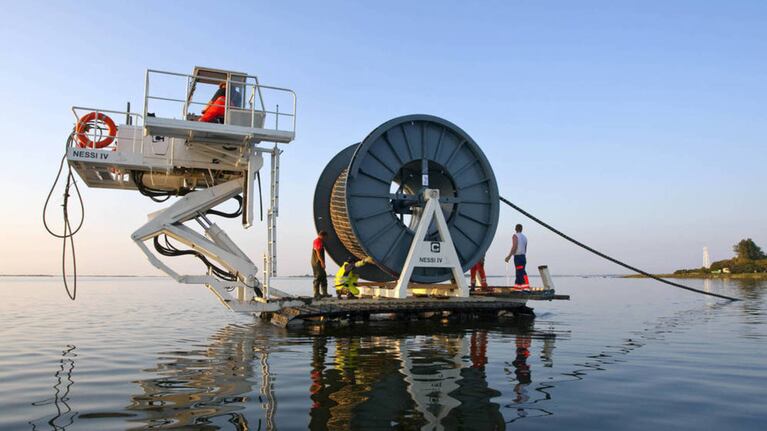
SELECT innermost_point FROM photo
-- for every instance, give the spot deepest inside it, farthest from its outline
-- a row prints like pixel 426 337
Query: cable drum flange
pixel 339 216
pixel 323 221
pixel 376 207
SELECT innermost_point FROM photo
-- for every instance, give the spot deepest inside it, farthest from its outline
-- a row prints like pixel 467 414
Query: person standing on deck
pixel 519 251
pixel 478 268
pixel 320 284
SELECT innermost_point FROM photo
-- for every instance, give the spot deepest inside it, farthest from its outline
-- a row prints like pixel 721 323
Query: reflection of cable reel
pixel 369 198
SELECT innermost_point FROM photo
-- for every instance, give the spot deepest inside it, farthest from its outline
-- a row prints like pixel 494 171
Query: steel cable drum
pixel 369 197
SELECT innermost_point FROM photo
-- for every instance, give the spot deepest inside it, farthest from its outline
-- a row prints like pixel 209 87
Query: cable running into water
pixel 611 259
pixel 68 233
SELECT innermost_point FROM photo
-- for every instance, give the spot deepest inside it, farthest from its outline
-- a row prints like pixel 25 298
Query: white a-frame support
pixel 432 254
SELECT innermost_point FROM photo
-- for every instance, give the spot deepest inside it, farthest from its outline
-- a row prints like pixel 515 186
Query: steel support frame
pixel 419 254
pixel 270 259
pixel 239 295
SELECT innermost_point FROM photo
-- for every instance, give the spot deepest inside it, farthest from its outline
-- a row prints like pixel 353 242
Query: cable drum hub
pixel 369 197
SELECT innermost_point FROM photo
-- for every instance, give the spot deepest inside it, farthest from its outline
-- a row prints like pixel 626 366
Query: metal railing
pixel 131 118
pixel 252 91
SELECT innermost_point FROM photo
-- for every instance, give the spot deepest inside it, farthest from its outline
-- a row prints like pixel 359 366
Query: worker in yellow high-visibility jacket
pixel 346 278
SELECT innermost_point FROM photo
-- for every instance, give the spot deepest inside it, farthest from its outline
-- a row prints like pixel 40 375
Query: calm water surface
pixel 136 353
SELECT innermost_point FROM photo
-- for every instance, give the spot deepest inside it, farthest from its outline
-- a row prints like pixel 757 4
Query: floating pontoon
pixel 417 195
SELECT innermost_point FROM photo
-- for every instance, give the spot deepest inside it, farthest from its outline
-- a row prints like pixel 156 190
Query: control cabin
pixel 172 148
pixel 169 144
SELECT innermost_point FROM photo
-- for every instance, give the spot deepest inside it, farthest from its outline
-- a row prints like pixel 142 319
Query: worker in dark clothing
pixel 519 251
pixel 320 284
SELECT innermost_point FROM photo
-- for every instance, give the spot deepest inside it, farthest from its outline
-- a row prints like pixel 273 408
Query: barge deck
pixel 491 302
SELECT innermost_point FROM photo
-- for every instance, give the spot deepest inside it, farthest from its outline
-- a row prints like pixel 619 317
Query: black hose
pixel 611 259
pixel 68 233
pixel 171 251
pixel 155 194
pixel 234 214
pixel 163 195
pixel 260 198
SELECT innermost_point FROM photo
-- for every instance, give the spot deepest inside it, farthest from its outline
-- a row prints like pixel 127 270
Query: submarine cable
pixel 612 259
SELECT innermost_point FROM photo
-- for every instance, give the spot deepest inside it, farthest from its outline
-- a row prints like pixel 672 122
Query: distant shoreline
pixel 700 275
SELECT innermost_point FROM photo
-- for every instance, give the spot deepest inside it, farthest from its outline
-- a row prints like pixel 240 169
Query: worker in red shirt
pixel 215 109
pixel 478 268
pixel 320 284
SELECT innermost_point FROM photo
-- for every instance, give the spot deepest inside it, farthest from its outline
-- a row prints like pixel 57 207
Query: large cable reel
pixel 369 196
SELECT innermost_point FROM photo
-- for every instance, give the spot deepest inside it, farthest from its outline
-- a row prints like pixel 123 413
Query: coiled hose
pixel 69 233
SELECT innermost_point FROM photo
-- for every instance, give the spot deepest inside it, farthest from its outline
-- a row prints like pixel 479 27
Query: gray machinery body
pixel 368 191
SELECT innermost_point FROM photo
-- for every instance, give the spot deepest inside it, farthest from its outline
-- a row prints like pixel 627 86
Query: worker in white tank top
pixel 521 241
pixel 519 252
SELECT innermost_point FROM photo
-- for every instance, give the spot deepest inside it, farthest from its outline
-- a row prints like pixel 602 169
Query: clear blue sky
pixel 637 127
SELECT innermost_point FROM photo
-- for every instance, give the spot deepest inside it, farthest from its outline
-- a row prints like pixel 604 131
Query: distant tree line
pixel 749 258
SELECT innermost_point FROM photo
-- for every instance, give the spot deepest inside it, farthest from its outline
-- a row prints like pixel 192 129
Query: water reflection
pixel 378 376
pixel 404 375
pixel 385 379
pixel 426 375
pixel 521 369
pixel 474 408
pixel 63 416
pixel 750 291
pixel 199 389
pixel 357 383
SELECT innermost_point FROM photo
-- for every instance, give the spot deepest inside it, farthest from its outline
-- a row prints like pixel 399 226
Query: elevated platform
pixel 416 307
pixel 196 131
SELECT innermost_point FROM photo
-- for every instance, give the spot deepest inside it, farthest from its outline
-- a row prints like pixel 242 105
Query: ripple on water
pixel 623 354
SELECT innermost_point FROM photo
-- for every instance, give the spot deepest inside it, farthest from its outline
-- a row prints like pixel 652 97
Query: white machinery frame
pixel 430 254
pixel 215 245
pixel 175 153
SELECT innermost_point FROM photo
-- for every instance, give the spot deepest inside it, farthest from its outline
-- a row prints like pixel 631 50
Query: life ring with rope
pixel 89 121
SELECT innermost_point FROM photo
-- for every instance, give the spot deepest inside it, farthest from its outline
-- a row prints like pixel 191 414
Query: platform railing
pixel 128 118
pixel 253 93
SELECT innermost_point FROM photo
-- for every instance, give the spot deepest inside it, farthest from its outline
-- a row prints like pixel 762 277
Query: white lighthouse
pixel 706 258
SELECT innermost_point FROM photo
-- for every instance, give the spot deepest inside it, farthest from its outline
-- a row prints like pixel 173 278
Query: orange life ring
pixel 85 124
